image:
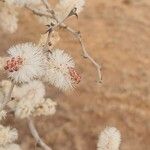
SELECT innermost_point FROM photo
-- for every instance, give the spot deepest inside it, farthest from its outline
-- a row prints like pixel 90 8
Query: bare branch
pixel 38 12
pixel 36 136
pixel 47 5
pixel 85 53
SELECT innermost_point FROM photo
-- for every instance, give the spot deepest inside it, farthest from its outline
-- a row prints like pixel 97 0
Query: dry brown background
pixel 117 35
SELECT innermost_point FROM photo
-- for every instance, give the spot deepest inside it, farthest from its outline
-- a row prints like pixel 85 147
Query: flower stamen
pixel 74 75
pixel 13 64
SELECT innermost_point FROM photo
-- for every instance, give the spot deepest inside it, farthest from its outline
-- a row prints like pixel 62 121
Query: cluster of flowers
pixel 27 62
pixel 30 65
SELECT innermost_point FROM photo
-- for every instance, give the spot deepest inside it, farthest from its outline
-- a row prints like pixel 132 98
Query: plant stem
pixel 35 134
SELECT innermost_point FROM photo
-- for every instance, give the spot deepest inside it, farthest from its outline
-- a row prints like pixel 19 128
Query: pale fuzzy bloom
pixel 22 2
pixel 31 95
pixel 24 109
pixel 32 92
pixel 60 71
pixel 7 135
pixel 26 62
pixel 109 139
pixel 2 62
pixel 47 107
pixel 8 19
pixel 10 147
pixel 3 114
pixel 27 98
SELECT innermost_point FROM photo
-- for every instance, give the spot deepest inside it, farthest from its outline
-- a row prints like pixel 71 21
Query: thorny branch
pixel 38 12
pixel 85 53
pixel 36 136
pixel 46 4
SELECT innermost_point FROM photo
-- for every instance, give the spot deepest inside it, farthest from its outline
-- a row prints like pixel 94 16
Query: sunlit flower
pixel 24 98
pixel 109 139
pixel 60 71
pixel 8 19
pixel 7 135
pixel 24 109
pixel 46 107
pixel 10 147
pixel 30 97
pixel 25 63
pixel 33 90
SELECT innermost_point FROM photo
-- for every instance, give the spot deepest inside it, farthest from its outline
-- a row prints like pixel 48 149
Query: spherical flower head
pixel 7 135
pixel 60 71
pixel 10 147
pixel 25 63
pixel 109 139
pixel 34 90
pixel 30 97
pixel 78 4
pixel 8 19
pixel 46 107
pixel 24 109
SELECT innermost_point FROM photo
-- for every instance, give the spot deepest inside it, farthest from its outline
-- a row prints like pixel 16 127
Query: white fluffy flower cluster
pixel 60 70
pixel 25 62
pixel 28 100
pixel 8 19
pixel 109 139
pixel 45 107
pixel 7 135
